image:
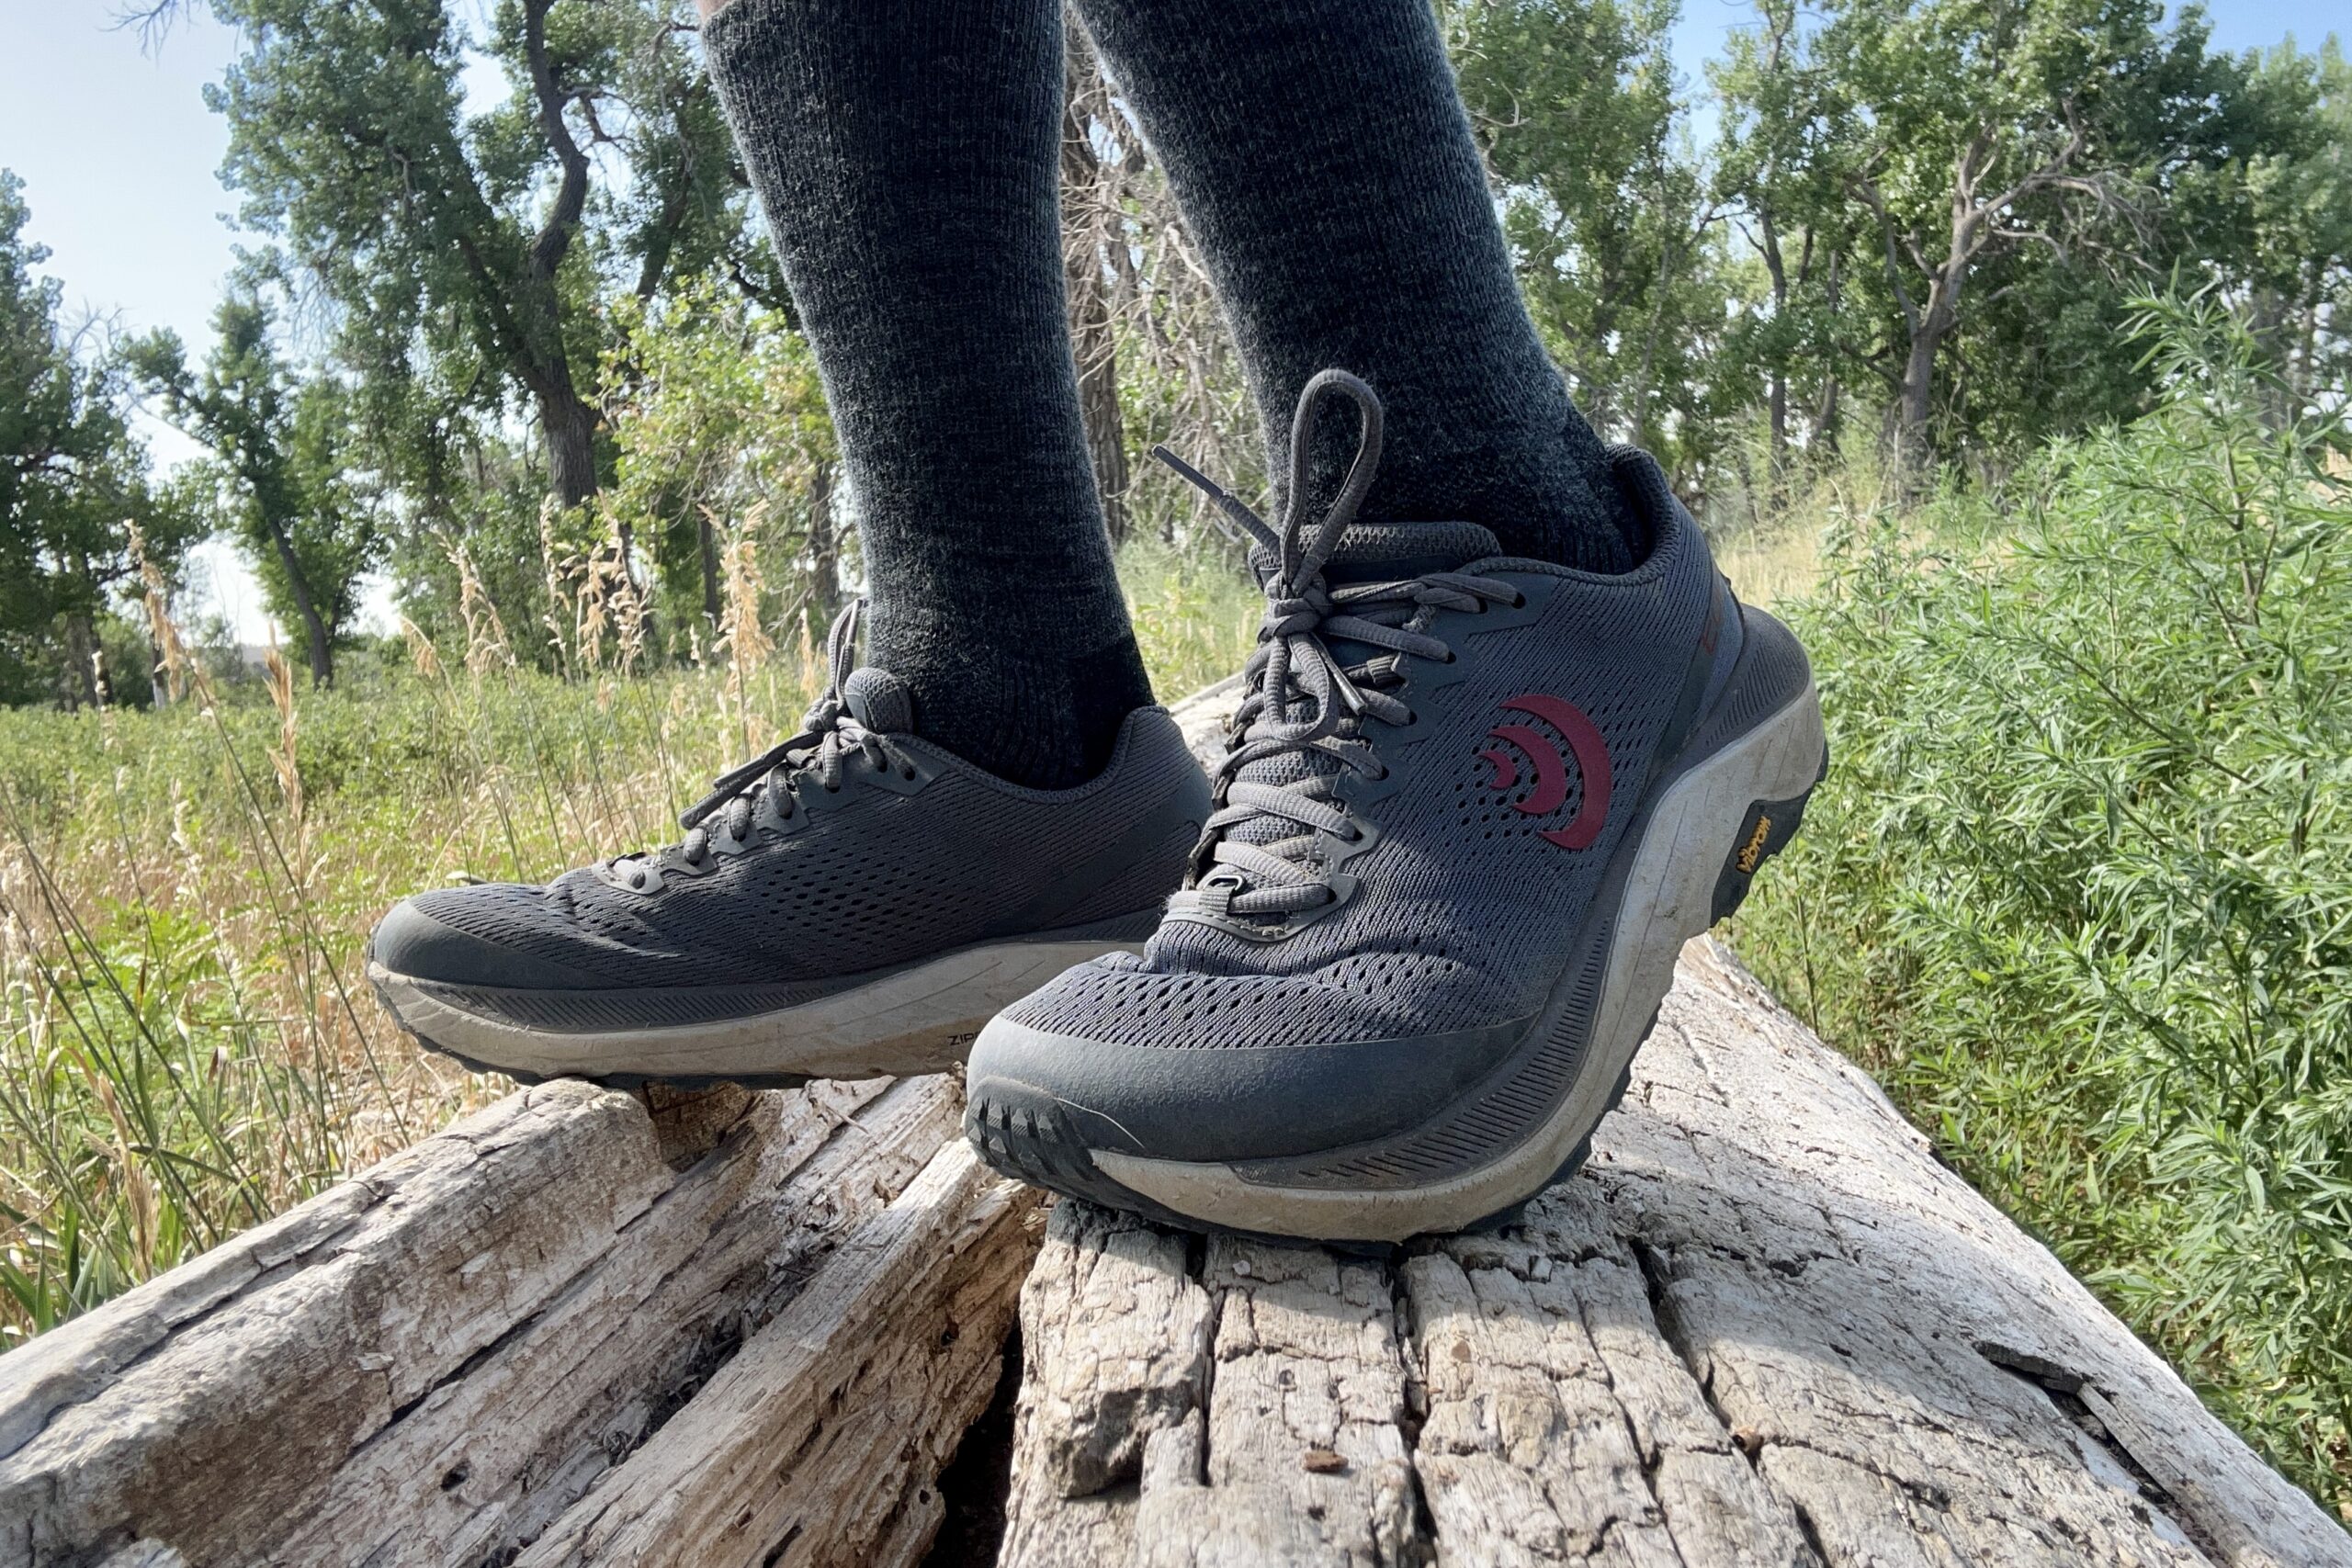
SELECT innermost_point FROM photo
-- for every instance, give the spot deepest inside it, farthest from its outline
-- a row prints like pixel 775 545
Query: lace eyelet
pixel 1518 600
pixel 908 774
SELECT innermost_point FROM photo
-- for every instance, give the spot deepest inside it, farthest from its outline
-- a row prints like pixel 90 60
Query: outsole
pixel 916 1018
pixel 627 1081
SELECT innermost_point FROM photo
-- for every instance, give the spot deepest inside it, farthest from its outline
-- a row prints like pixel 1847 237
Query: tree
pixel 483 238
pixel 720 424
pixel 282 451
pixel 1607 211
pixel 1776 172
pixel 75 493
pixel 1974 129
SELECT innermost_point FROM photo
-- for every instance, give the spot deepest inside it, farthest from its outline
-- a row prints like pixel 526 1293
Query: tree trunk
pixel 707 537
pixel 319 647
pixel 1825 410
pixel 1763 1325
pixel 81 685
pixel 824 553
pixel 1098 401
pixel 1914 402
pixel 568 425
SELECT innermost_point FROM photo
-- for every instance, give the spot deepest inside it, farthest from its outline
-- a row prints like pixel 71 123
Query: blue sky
pixel 118 157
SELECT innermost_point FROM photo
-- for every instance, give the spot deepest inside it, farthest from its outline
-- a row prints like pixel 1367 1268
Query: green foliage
pixel 287 476
pixel 720 425
pixel 74 486
pixel 1605 206
pixel 2079 886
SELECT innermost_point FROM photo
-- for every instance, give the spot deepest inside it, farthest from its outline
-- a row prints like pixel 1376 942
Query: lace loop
pixel 829 736
pixel 1301 699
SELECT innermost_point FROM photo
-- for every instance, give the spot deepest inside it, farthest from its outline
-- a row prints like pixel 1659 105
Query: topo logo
pixel 1551 789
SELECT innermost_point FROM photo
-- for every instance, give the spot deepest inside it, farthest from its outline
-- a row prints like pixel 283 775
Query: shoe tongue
pixel 879 700
pixel 1387 552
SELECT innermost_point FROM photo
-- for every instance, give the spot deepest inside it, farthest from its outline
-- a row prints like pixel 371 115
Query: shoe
pixel 1473 806
pixel 856 902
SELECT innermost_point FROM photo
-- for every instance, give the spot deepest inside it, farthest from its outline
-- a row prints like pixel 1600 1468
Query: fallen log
pixel 432 1363
pixel 1765 1326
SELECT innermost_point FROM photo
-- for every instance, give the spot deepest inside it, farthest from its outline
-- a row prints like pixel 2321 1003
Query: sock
pixel 906 153
pixel 1322 158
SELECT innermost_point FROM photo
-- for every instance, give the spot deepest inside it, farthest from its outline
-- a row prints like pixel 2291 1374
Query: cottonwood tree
pixel 1776 176
pixel 489 237
pixel 281 453
pixel 74 488
pixel 1972 129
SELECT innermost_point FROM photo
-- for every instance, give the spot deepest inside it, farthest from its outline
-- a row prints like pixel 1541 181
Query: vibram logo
pixel 1551 791
pixel 1751 855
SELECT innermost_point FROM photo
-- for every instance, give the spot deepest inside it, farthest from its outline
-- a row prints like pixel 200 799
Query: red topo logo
pixel 1551 773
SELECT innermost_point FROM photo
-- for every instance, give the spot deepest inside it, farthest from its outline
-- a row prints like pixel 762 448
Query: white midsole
pixel 1670 898
pixel 919 1019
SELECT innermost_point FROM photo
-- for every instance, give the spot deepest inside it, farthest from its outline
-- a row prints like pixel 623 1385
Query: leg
pixel 906 153
pixel 1322 157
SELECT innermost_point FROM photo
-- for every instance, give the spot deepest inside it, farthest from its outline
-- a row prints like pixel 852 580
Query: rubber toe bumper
pixel 1233 1103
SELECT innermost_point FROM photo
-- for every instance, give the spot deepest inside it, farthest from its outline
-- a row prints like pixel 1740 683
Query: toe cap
pixel 1190 1103
pixel 416 942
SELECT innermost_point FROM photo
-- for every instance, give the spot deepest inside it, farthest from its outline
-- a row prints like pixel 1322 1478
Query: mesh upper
pixel 1465 910
pixel 880 879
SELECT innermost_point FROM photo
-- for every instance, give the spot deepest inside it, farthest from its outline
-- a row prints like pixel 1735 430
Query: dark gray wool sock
pixel 1322 158
pixel 906 151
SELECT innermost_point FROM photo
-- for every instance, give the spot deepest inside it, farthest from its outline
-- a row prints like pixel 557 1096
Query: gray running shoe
pixel 854 902
pixel 1471 807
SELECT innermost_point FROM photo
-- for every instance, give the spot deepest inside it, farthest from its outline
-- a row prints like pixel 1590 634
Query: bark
pixel 1825 410
pixel 707 538
pixel 81 685
pixel 567 420
pixel 434 1361
pixel 824 553
pixel 568 424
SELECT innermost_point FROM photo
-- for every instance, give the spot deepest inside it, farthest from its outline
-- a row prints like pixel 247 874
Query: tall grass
pixel 2078 888
pixel 187 1042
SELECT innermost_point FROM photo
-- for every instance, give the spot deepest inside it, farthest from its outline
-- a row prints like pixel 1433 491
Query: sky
pixel 118 157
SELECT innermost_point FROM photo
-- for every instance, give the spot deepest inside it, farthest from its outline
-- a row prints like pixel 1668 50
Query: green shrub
pixel 2079 886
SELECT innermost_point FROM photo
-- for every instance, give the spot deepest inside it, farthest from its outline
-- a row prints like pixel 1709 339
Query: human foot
pixel 855 902
pixel 1473 806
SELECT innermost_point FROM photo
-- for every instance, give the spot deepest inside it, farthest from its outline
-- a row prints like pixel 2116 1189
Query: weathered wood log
pixel 1765 1326
pixel 431 1363
pixel 820 1442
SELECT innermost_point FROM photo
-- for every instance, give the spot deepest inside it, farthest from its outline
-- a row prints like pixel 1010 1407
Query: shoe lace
pixel 829 736
pixel 1300 699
